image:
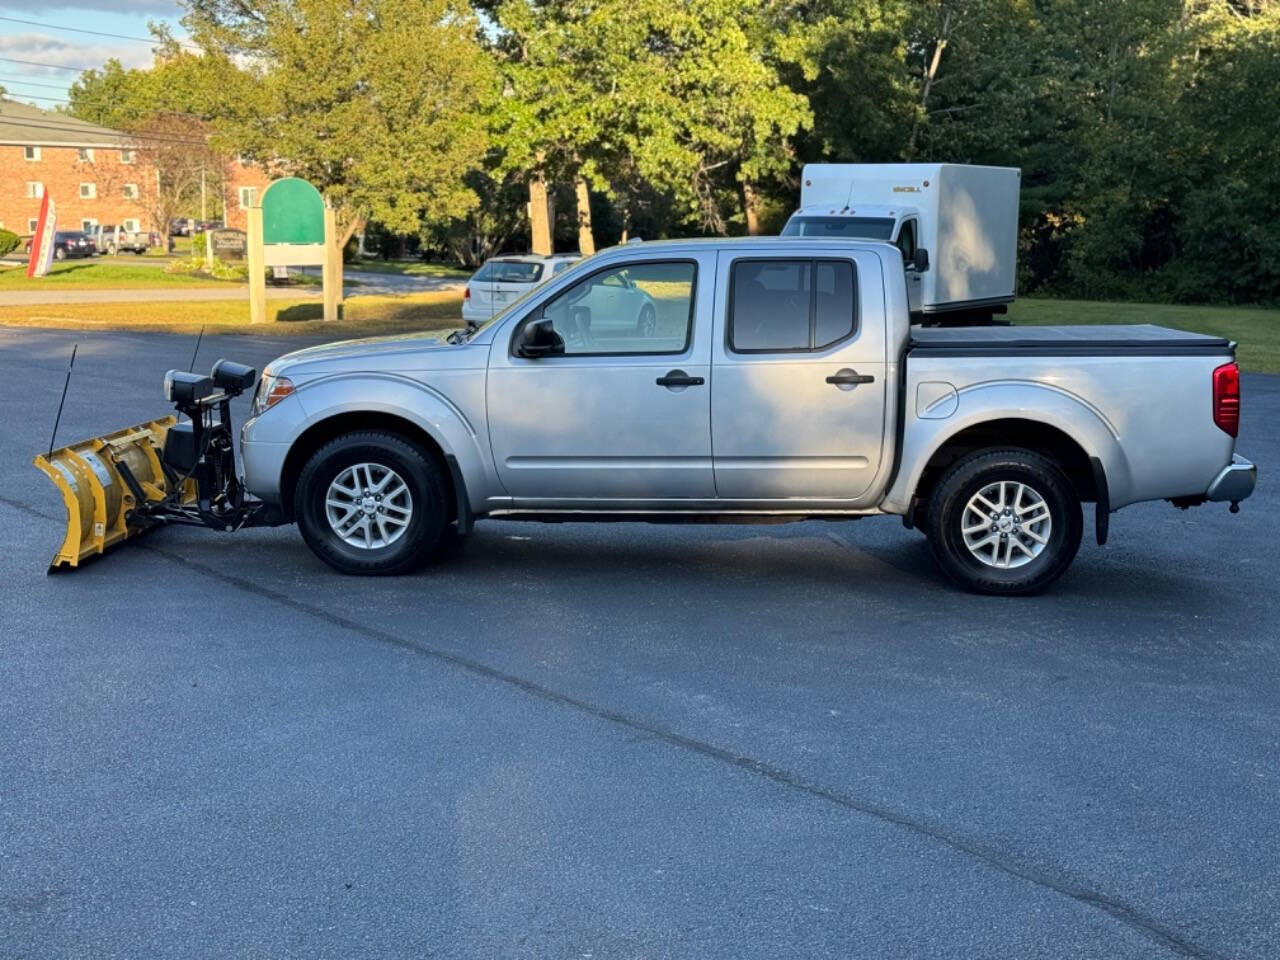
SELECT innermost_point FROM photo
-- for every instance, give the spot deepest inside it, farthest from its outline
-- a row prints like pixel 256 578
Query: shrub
pixel 8 242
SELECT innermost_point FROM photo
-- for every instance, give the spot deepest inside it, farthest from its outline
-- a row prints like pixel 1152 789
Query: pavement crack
pixel 1149 927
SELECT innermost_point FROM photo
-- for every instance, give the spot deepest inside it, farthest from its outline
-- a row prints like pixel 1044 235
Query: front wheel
pixel 1005 522
pixel 647 321
pixel 371 503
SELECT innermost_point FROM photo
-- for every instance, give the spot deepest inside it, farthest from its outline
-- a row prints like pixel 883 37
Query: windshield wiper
pixel 463 333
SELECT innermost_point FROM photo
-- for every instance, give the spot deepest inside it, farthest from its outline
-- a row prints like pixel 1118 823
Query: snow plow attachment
pixel 104 480
pixel 172 470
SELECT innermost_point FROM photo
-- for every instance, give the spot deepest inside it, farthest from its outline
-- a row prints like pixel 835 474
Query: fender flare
pixel 465 449
pixel 992 401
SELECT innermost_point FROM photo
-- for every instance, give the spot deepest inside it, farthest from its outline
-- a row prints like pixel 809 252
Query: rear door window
pixel 786 306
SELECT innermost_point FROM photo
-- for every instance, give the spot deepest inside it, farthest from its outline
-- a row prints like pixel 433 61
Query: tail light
pixel 466 294
pixel 1226 398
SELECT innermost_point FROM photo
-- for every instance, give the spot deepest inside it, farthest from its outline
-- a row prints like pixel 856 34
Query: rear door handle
pixel 849 378
pixel 678 378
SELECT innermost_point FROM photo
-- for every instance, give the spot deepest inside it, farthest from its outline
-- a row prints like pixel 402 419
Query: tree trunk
pixel 541 215
pixel 751 207
pixel 930 75
pixel 586 239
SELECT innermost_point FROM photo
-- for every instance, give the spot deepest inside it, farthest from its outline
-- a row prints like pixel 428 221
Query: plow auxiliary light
pixel 234 378
pixel 186 388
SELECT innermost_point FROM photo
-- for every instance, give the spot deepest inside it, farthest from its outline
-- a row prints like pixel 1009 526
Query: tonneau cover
pixel 1098 340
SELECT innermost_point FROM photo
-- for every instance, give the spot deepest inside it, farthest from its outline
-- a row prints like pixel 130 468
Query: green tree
pixel 379 103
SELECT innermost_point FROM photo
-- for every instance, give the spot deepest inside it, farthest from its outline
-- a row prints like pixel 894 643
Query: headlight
pixel 271 390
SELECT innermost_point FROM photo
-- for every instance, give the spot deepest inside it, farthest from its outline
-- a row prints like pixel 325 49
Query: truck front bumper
pixel 1235 482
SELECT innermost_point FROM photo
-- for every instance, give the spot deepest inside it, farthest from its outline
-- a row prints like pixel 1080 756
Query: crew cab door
pixel 798 377
pixel 621 412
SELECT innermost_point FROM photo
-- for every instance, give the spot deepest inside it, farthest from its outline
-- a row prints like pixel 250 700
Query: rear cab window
pixel 789 306
pixel 509 271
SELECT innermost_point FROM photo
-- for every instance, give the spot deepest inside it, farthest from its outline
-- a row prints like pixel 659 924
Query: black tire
pixel 427 487
pixel 59 253
pixel 970 475
pixel 647 322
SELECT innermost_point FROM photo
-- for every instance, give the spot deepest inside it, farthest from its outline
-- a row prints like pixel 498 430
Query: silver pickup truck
pixel 744 380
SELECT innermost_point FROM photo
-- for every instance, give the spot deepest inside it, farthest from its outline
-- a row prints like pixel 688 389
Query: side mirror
pixel 538 338
pixel 921 260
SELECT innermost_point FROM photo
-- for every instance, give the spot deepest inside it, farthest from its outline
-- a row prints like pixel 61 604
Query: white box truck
pixel 956 225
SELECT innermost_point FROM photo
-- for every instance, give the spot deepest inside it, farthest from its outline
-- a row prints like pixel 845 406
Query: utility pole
pixel 204 217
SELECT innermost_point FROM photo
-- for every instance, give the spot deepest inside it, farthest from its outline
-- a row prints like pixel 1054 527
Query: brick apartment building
pixel 93 175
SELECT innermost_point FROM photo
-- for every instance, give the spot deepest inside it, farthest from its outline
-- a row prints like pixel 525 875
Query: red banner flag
pixel 42 241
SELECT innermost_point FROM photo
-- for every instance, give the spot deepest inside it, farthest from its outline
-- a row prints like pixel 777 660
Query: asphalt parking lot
pixel 626 741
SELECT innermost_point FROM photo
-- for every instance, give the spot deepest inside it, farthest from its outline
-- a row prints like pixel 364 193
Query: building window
pixel 32 223
pixel 35 189
pixel 84 154
pixel 88 191
pixel 31 153
pixel 88 226
pixel 132 226
pixel 130 191
pixel 126 156
pixel 248 195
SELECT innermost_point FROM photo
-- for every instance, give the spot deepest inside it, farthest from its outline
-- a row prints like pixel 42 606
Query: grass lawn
pixel 415 268
pixel 365 316
pixel 104 276
pixel 1256 329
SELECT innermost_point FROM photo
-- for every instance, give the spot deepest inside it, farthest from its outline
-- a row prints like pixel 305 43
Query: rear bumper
pixel 1235 482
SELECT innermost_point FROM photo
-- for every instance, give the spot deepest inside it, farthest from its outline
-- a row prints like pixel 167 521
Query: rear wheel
pixel 371 503
pixel 1005 522
pixel 59 253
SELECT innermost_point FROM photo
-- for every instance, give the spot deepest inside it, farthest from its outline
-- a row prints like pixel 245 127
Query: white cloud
pixel 52 52
pixel 160 8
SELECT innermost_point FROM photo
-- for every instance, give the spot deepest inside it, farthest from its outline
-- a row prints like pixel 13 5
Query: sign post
pixel 257 268
pixel 331 277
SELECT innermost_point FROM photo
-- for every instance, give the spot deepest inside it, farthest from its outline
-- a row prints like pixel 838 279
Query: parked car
pixel 111 239
pixel 69 244
pixel 180 228
pixel 782 380
pixel 503 280
pixel 204 226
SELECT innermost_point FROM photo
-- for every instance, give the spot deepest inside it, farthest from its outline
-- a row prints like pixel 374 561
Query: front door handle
pixel 849 378
pixel 678 378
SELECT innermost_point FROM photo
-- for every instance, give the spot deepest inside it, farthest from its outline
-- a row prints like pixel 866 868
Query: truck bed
pixel 1065 341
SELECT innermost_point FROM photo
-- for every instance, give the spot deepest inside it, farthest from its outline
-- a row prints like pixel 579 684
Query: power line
pixel 95 33
pixel 32 83
pixel 90 130
pixel 32 96
pixel 51 66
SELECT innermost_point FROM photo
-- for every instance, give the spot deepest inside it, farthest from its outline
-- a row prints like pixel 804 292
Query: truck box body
pixel 966 218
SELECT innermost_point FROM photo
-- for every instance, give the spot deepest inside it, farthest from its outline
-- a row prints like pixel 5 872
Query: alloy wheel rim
pixel 1006 524
pixel 369 506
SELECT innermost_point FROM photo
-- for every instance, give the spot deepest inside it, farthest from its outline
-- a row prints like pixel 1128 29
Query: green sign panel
pixel 292 212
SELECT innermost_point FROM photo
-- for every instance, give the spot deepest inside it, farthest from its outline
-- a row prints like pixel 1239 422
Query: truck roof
pixel 691 244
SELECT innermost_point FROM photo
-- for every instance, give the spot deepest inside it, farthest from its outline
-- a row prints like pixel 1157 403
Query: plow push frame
pixel 158 472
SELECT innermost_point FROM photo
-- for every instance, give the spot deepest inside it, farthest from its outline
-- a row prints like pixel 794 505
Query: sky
pixel 54 47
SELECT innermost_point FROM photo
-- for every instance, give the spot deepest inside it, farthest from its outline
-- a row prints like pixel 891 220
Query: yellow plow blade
pixel 97 498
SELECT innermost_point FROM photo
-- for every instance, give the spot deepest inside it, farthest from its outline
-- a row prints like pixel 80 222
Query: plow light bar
pixel 183 387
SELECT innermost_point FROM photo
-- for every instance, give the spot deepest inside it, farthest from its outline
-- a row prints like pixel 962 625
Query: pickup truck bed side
pixel 1138 398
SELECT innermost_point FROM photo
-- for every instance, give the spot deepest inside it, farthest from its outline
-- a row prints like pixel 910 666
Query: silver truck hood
pixel 416 351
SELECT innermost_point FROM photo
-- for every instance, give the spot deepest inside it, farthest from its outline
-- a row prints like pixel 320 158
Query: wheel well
pixel 317 435
pixel 1027 434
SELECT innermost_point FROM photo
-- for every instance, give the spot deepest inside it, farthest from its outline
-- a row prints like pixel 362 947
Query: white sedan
pixel 503 280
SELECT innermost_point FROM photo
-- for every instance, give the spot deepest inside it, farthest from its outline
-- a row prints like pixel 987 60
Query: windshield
pixel 861 228
pixel 509 271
